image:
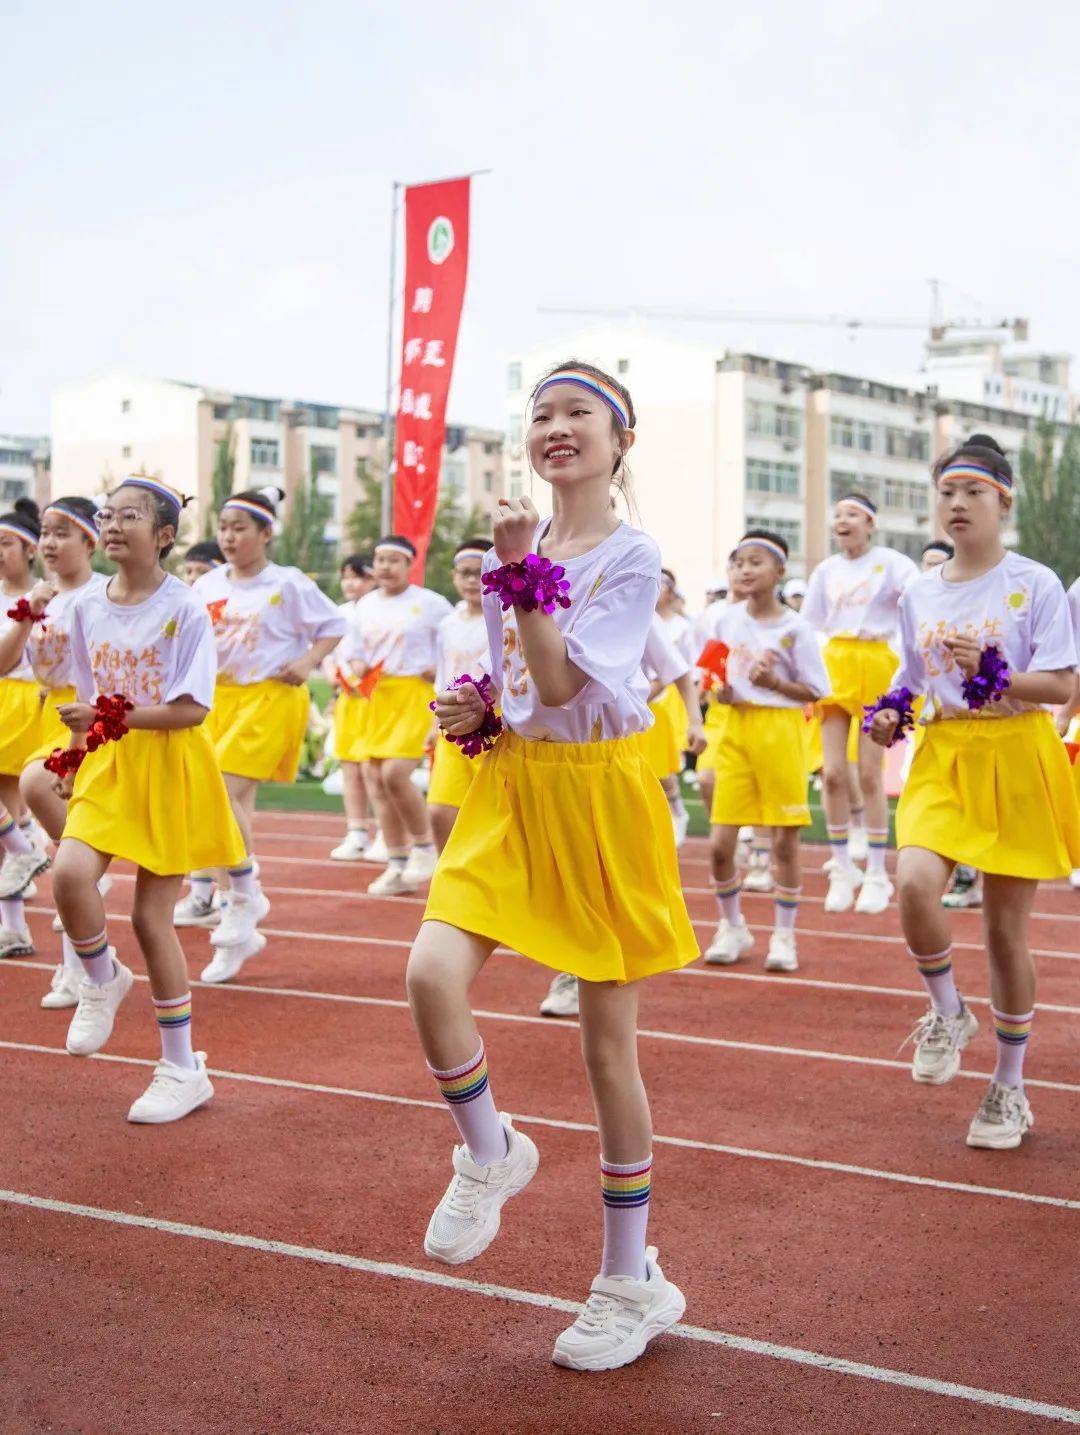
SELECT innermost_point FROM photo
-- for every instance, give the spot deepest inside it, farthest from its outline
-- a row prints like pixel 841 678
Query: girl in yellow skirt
pixel 986 639
pixel 43 637
pixel 351 710
pixel 461 646
pixel 394 636
pixel 715 712
pixel 774 668
pixel 153 797
pixel 852 600
pixel 1068 724
pixel 563 851
pixel 273 626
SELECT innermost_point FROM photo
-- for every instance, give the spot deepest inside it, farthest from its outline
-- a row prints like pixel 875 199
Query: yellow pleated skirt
pixel 351 715
pixel 993 793
pixel 399 723
pixel 715 718
pixel 257 729
pixel 52 732
pixel 565 853
pixel 859 672
pixel 157 799
pixel 452 774
pixel 20 724
pixel 661 741
pixel 761 769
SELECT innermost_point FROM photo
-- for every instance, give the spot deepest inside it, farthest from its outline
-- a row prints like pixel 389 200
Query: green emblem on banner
pixel 440 240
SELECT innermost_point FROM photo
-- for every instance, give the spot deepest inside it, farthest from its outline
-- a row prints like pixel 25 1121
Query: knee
pixel 65 879
pixel 786 844
pixel 913 898
pixel 428 978
pixel 835 782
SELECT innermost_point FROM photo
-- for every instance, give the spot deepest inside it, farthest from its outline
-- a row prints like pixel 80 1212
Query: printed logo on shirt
pixel 274 600
pixel 171 628
pixel 121 670
pixel 1018 602
pixel 788 640
pixel 515 673
pixel 216 609
pixel 931 639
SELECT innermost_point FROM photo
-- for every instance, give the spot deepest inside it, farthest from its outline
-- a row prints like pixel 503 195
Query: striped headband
pixel 766 543
pixel 975 472
pixel 245 505
pixel 6 526
pixel 80 521
pixel 389 547
pixel 859 503
pixel 157 488
pixel 469 553
pixel 603 390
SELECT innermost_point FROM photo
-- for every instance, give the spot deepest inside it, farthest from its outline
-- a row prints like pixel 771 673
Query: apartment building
pixel 24 469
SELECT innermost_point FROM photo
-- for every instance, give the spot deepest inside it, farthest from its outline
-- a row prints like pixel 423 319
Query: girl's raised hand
pixel 515 522
pixel 40 595
pixel 460 710
pixel 967 653
pixel 883 726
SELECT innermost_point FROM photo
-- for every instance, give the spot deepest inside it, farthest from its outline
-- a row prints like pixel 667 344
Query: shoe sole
pixel 549 1011
pixel 258 944
pixel 487 1235
pixel 59 1006
pixel 352 857
pixel 772 965
pixel 717 959
pixel 18 951
pixel 660 1321
pixel 213 921
pixel 1006 1143
pixel 45 863
pixel 948 1076
pixel 165 1120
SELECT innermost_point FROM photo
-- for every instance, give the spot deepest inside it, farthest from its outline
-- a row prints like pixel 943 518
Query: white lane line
pixel 749 1153
pixel 835 1365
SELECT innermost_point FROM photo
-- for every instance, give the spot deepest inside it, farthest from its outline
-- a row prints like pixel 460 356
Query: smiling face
pixel 65 549
pixel 573 436
pixel 242 537
pixel 755 572
pixel 129 530
pixel 852 527
pixel 970 512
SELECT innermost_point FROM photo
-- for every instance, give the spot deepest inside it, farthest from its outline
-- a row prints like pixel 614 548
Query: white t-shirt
pixel 748 639
pixel 857 597
pixel 613 592
pixel 680 631
pixel 461 646
pixel 159 650
pixel 1073 596
pixel 1019 605
pixel 49 650
pixel 335 661
pixel 662 661
pixel 22 672
pixel 398 631
pixel 265 622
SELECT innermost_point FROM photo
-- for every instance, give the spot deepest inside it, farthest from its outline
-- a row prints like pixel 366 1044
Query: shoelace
pixel 995 1105
pixel 599 1310
pixel 564 982
pixel 931 1031
pixel 462 1196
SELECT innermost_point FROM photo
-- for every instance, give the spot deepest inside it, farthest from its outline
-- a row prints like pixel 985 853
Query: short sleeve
pixel 195 659
pixel 1073 598
pixel 608 639
pixel 1053 646
pixel 81 672
pixel 661 658
pixel 815 605
pixel 809 665
pixel 313 612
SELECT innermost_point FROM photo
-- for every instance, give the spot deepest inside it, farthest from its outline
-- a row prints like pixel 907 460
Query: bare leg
pixel 407 799
pixel 76 872
pixel 37 791
pixel 242 792
pixel 442 967
pixel 394 832
pixel 354 794
pixel 1007 903
pixel 442 822
pixel 151 919
pixel 834 781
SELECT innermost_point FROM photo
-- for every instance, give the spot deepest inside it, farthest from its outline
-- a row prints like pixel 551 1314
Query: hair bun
pixel 273 495
pixel 983 440
pixel 27 508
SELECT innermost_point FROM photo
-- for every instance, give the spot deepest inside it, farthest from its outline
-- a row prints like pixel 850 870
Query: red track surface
pixel 107 1327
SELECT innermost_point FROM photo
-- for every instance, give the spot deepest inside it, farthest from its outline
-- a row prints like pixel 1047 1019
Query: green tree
pixel 1048 501
pixel 221 481
pixel 302 541
pixel 453 524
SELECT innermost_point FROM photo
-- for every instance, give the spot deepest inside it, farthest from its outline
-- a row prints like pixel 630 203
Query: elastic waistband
pixel 993 728
pixel 863 643
pixel 576 754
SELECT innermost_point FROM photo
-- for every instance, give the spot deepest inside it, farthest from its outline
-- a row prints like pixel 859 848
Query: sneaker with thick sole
pixel 195 911
pixel 239 917
pixel 421 865
pixel 939 1040
pixel 174 1092
pixel 843 883
pixel 619 1319
pixel 63 989
pixel 15 944
pixel 874 894
pixel 729 943
pixel 962 896
pixel 354 847
pixel 19 870
pixel 92 1024
pixel 227 961
pixel 562 996
pixel 1074 877
pixel 391 883
pixel 782 955
pixel 376 850
pixel 466 1220
pixel 1003 1119
pixel 758 877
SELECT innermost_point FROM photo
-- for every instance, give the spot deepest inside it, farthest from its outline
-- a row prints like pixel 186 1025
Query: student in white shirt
pixel 986 640
pixel 563 850
pixel 351 709
pixel 852 601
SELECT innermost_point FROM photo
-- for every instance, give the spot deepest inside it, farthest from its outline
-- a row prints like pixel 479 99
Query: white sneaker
pixel 562 997
pixel 874 894
pixel 858 844
pixel 680 821
pixel 1003 1119
pixel 63 989
pixel 420 866
pixel 1074 877
pixel 939 1040
pixel 92 1024
pixel 195 911
pixel 729 943
pixel 782 954
pixel 759 876
pixel 620 1317
pixel 227 961
pixel 354 847
pixel 466 1220
pixel 174 1092
pixel 843 882
pixel 239 917
pixel 19 870
pixel 15 944
pixel 391 883
pixel 376 850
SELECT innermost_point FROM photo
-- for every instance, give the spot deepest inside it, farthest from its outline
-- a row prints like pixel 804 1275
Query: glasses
pixel 125 517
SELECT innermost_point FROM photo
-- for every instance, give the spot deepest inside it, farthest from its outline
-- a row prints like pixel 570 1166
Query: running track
pixel 849 1265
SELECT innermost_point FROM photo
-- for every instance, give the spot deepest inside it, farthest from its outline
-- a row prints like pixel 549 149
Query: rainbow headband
pixel 79 521
pixel 245 505
pixel 159 490
pixel 599 387
pixel 769 546
pixel 860 503
pixel 469 553
pixel 395 548
pixel 19 532
pixel 974 472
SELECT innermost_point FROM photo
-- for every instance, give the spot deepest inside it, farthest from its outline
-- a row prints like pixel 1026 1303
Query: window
pixel 264 453
pixel 265 409
pixel 843 481
pixel 906 497
pixel 125 452
pixel 516 489
pixel 766 475
pixel 773 420
pixel 789 529
pixel 866 437
pixel 910 543
pixel 489 482
pixel 842 433
pixel 125 406
pixel 622 366
pixel 516 432
pixel 11 488
pixel 513 377
pixel 907 443
pixel 323 457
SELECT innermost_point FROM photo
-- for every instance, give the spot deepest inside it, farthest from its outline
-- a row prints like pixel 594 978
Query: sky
pixel 202 192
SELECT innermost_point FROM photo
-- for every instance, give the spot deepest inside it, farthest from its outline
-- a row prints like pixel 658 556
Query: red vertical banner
pixel 436 262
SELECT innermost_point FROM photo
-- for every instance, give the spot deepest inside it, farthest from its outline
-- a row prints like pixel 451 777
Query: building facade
pixel 24 469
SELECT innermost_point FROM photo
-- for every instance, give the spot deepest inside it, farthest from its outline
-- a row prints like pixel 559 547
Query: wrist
pixel 529 583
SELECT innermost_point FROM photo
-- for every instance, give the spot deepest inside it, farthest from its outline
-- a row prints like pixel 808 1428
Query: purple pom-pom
pixel 990 680
pixel 481 739
pixel 534 583
pixel 901 701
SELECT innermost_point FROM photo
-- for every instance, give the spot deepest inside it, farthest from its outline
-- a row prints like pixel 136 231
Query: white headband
pixel 469 553
pixel 389 547
pixel 859 503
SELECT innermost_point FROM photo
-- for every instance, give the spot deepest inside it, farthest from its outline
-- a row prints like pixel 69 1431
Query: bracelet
pixel 989 681
pixel 64 760
pixel 901 702
pixel 23 613
pixel 481 739
pixel 534 583
pixel 109 725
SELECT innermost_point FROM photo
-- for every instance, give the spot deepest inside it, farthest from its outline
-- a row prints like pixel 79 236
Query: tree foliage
pixel 302 542
pixel 1048 501
pixel 221 482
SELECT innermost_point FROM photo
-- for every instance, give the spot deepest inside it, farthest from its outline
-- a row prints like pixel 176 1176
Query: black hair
pixel 400 540
pixel 207 552
pixel 26 515
pixel 765 533
pixel 858 498
pixel 484 544
pixel 164 511
pixel 357 563
pixel 76 505
pixel 940 545
pixel 267 500
pixel 980 448
pixel 667 573
pixel 619 473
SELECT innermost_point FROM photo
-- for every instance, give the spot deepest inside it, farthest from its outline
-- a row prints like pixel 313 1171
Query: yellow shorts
pixel 671 699
pixel 52 732
pixel 662 750
pixel 993 793
pixel 157 799
pixel 351 716
pixel 399 724
pixel 715 718
pixel 258 729
pixel 859 672
pixel 20 725
pixel 565 852
pixel 452 774
pixel 761 771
